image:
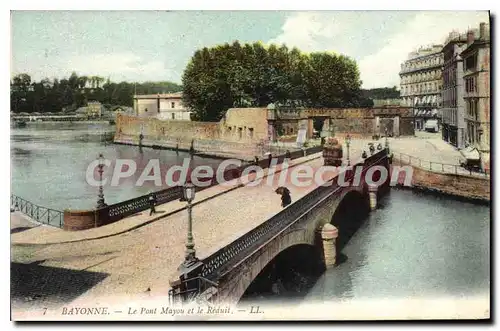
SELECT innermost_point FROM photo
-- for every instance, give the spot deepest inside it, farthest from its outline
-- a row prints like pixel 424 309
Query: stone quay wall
pixel 245 132
pixel 241 133
pixel 464 186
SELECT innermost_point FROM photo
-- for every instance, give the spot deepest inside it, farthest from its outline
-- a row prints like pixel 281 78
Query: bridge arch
pixel 239 279
pixel 349 214
pixel 282 273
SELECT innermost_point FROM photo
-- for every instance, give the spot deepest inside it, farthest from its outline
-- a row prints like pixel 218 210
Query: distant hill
pixel 381 93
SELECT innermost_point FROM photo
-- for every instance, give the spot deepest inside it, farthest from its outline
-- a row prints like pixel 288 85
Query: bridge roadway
pixel 139 262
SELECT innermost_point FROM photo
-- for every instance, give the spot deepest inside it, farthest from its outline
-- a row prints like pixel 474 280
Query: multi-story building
pixel 421 83
pixel 476 82
pixel 166 106
pixel 453 111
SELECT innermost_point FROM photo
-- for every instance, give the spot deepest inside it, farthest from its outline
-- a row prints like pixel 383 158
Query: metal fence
pixel 38 213
pixel 437 166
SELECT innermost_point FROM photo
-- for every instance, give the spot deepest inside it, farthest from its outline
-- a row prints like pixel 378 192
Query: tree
pixel 75 91
pixel 253 75
pixel 19 93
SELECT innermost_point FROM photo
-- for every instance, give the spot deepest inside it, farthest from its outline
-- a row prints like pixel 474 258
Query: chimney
pixel 482 31
pixel 470 37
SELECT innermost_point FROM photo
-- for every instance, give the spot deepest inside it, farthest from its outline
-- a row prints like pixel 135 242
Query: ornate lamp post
pixel 190 258
pixel 348 143
pixel 100 195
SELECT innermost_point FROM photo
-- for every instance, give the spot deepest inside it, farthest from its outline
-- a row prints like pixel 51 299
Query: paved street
pixel 427 151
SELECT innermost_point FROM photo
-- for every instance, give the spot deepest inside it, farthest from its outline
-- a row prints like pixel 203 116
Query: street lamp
pixel 347 143
pixel 100 195
pixel 190 258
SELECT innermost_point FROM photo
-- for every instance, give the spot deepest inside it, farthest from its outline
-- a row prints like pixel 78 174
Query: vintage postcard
pixel 250 165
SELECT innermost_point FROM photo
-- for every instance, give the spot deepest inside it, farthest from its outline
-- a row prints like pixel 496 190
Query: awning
pixel 470 153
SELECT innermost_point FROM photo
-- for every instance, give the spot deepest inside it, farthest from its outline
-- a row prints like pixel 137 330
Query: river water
pixel 49 164
pixel 415 245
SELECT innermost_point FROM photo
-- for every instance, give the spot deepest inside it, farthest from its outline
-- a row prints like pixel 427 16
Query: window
pixel 173 116
pixel 470 84
pixel 250 132
pixel 173 105
pixel 470 63
pixel 240 133
pixel 291 130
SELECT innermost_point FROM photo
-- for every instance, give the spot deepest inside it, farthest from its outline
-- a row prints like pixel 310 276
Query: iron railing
pixel 219 262
pixel 38 213
pixel 437 166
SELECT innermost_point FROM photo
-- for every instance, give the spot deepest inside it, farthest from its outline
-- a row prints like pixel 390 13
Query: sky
pixel 157 45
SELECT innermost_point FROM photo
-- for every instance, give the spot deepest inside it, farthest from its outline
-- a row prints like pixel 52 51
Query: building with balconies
pixel 476 82
pixel 421 84
pixel 453 119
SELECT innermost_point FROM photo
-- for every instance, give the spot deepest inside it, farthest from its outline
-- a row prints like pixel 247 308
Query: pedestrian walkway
pixel 45 235
pixel 20 222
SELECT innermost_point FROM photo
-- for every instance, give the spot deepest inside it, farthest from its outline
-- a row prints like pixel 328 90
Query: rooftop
pixel 425 51
pixel 176 95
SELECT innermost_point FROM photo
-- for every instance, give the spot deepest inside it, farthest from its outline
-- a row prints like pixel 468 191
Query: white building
pixel 166 106
pixel 421 83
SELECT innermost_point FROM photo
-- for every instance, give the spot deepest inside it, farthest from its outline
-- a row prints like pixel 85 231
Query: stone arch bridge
pixel 225 275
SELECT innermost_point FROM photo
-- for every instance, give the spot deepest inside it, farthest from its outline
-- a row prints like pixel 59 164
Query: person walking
pixel 152 203
pixel 269 160
pixel 286 199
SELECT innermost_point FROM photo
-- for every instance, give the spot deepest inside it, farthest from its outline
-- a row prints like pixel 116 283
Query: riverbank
pixel 466 187
pixel 211 149
pixel 42 124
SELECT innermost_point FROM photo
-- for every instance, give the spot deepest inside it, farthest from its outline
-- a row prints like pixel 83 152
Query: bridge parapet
pixel 221 263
